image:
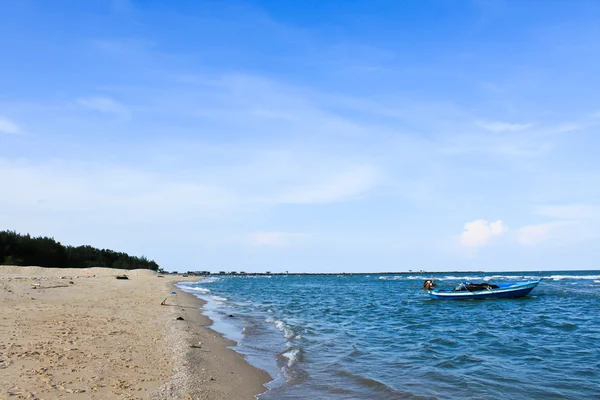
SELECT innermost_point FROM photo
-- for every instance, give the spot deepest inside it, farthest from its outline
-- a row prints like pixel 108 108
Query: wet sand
pixel 71 335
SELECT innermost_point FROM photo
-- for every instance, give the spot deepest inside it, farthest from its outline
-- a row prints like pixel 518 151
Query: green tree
pixel 17 249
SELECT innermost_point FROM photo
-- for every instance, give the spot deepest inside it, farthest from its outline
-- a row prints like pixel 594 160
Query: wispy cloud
pixel 8 126
pixel 532 235
pixel 573 224
pixel 276 239
pixel 104 105
pixel 570 211
pixel 107 194
pixel 347 185
pixel 497 126
pixel 478 233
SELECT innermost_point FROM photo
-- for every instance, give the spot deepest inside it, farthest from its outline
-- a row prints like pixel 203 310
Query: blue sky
pixel 306 136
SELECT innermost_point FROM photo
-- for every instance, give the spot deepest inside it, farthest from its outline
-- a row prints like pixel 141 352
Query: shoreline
pixel 211 368
pixel 82 334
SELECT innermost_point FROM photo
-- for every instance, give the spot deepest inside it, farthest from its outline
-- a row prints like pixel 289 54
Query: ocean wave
pixel 561 277
pixel 369 382
pixel 390 278
pixel 459 278
pixel 399 277
pixel 293 356
pixel 288 331
pixel 219 298
pixel 496 277
pixel 197 289
pixel 210 279
pixel 437 278
pixel 486 278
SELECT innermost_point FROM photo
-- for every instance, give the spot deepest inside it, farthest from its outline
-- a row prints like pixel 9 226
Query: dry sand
pixel 82 334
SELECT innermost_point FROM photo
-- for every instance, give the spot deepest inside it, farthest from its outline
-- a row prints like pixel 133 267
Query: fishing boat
pixel 471 291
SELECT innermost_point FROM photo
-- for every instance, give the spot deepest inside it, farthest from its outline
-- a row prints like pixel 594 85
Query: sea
pixel 379 336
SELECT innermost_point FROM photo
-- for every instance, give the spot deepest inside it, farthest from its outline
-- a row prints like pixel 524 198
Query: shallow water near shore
pixel 381 337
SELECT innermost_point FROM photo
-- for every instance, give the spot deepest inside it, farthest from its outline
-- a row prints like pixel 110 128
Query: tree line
pixel 17 249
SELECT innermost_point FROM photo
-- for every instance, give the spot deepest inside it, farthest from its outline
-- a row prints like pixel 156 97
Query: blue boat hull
pixel 505 291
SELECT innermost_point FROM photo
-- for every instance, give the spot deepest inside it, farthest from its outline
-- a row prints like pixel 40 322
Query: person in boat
pixel 429 284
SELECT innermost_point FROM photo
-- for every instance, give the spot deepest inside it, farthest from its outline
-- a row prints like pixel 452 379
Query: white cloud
pixel 8 126
pixel 497 126
pixel 576 223
pixel 345 185
pixel 276 239
pixel 479 232
pixel 105 194
pixel 570 211
pixel 104 105
pixel 535 234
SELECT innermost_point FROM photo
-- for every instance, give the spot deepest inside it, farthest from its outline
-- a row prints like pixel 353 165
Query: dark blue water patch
pixel 380 337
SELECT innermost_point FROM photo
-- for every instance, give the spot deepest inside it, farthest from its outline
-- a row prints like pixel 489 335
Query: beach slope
pixel 82 334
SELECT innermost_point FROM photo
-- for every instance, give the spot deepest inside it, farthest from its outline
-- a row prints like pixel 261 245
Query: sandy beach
pixel 82 334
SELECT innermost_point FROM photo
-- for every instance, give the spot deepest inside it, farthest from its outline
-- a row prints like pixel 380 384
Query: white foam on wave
pixel 219 298
pixel 293 356
pixel 485 278
pixel 210 279
pixel 464 278
pixel 251 276
pixel 597 281
pixel 561 277
pixel 495 277
pixel 288 332
pixel 514 277
pixel 509 277
pixel 460 278
pixel 423 277
pixel 197 289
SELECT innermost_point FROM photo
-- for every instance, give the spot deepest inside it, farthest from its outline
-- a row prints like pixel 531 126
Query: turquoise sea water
pixel 381 337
